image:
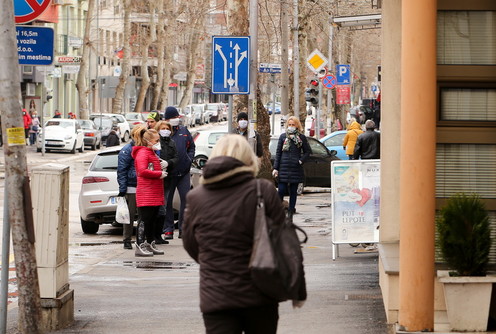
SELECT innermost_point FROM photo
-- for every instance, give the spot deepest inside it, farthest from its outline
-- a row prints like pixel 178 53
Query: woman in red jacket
pixel 150 188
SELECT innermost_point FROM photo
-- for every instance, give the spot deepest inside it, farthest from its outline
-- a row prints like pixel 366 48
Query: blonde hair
pixel 236 146
pixel 144 136
pixel 159 124
pixel 136 131
pixel 297 121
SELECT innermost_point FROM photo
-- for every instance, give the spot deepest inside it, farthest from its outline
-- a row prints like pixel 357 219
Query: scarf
pixel 292 136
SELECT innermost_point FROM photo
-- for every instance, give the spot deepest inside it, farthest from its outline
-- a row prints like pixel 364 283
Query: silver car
pixel 99 190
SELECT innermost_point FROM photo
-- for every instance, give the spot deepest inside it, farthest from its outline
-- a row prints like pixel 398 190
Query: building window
pixel 468 104
pixel 466 38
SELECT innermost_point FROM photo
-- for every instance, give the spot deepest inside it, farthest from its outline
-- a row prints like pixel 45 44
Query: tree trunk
pixel 82 83
pixel 145 78
pixel 29 313
pixel 120 89
pixel 160 65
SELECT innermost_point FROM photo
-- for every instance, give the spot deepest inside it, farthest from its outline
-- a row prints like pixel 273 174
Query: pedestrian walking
pixel 57 114
pixel 168 159
pixel 349 140
pixel 292 152
pixel 368 145
pixel 242 129
pixel 126 177
pixel 34 129
pixel 113 138
pixel 150 189
pixel 27 124
pixel 222 244
pixel 180 177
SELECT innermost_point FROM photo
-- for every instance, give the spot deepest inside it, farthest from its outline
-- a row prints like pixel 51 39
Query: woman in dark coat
pixel 218 234
pixel 292 152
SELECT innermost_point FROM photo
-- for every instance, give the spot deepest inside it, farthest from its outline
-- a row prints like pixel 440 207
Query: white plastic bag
pixel 122 212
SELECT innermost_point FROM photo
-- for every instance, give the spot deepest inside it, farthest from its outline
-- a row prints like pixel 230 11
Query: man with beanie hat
pixel 242 129
pixel 180 177
pixel 368 145
pixel 152 119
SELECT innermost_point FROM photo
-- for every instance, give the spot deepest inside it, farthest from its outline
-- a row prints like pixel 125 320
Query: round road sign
pixel 329 81
pixel 28 10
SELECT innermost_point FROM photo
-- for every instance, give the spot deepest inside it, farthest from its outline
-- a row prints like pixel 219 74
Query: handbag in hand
pixel 276 262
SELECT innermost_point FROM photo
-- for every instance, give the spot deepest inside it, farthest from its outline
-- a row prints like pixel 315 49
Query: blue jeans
pixel 183 185
pixel 292 189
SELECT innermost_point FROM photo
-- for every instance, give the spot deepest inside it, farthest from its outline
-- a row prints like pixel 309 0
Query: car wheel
pixel 81 149
pixel 354 245
pixel 73 151
pixel 99 145
pixel 199 161
pixel 126 137
pixel 301 186
pixel 38 150
pixel 93 147
pixel 89 227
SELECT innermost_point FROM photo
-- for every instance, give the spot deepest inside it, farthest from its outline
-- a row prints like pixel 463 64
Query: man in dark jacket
pixel 180 176
pixel 242 129
pixel 368 145
pixel 113 138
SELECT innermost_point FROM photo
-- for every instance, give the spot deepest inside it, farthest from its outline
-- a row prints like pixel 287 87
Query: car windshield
pixel 336 140
pixel 214 137
pixel 105 161
pixel 63 124
pixel 86 124
pixel 212 107
pixel 133 117
pixel 103 122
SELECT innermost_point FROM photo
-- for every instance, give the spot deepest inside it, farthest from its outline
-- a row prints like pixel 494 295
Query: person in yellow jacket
pixel 351 137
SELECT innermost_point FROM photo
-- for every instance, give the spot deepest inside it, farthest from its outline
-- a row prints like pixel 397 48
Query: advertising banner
pixel 355 201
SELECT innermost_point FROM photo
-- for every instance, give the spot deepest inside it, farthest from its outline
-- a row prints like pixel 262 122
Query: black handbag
pixel 276 262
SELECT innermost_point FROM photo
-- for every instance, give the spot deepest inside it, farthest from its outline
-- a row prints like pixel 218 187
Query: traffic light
pixel 311 94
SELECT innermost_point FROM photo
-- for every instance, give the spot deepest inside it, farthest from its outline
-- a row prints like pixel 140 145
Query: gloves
pixel 121 194
pixel 344 147
pixel 164 174
pixel 163 164
pixel 275 173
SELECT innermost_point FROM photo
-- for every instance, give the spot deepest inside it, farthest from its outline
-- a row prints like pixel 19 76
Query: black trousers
pixel 148 214
pixel 252 320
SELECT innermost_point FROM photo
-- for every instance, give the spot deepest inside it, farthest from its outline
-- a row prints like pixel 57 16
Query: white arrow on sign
pixel 237 62
pixel 218 48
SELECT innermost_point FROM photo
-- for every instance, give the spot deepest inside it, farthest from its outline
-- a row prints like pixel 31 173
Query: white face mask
pixel 243 124
pixel 165 133
pixel 291 129
pixel 156 147
pixel 174 121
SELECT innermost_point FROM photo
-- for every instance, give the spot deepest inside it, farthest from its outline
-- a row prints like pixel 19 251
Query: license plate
pixel 49 142
pixel 113 200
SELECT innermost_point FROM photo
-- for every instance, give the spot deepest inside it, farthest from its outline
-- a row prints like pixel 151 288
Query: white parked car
pixel 62 135
pixel 205 142
pixel 122 123
pixel 99 190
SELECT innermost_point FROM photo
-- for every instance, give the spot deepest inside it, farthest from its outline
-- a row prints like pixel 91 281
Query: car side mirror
pixel 333 152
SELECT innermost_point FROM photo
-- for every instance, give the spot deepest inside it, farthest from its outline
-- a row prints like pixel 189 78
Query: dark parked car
pixel 92 135
pixel 318 166
pixel 105 125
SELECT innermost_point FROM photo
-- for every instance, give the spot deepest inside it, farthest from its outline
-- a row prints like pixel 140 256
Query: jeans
pixel 292 189
pixel 32 138
pixel 127 232
pixel 183 185
pixel 251 320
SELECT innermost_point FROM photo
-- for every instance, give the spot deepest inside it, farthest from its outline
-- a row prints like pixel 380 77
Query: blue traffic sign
pixel 343 74
pixel 28 10
pixel 35 45
pixel 329 81
pixel 231 65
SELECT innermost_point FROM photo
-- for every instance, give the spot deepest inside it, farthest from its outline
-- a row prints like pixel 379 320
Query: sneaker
pixel 160 241
pixel 127 244
pixel 180 234
pixel 142 250
pixel 168 235
pixel 154 249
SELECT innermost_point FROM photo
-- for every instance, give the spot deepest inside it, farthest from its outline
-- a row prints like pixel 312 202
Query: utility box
pixel 50 199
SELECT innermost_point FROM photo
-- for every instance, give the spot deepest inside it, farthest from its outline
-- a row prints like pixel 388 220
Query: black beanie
pixel 242 115
pixel 171 112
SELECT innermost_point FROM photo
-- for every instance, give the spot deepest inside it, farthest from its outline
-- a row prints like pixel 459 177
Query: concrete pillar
pixel 417 171
pixel 50 196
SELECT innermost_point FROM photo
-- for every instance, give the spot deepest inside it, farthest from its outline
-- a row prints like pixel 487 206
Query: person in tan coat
pixel 351 137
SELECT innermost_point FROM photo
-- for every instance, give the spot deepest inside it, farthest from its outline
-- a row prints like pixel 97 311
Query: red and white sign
pixel 28 10
pixel 69 60
pixel 343 94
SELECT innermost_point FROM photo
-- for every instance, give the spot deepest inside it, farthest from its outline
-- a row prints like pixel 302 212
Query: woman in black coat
pixel 292 152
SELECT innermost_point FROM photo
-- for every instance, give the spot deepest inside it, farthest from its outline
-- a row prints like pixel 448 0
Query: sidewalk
pixel 115 292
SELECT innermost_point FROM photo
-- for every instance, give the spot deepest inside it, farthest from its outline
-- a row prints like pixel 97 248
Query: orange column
pixel 417 165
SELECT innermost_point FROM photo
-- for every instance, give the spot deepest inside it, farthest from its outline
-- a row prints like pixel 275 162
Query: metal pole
pixel 329 92
pixel 317 116
pixel 230 114
pixel 296 62
pixel 252 98
pixel 4 283
pixel 273 80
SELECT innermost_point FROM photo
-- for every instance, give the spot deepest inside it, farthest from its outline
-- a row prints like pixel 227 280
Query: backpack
pixel 276 262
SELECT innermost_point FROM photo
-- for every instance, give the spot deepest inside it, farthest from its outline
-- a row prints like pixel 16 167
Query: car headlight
pixel 67 137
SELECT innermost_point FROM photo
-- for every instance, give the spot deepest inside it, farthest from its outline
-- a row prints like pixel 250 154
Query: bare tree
pixel 81 82
pixel 16 177
pixel 145 78
pixel 159 72
pixel 119 90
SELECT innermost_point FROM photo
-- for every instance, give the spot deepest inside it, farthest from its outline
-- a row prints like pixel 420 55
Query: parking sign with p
pixel 343 74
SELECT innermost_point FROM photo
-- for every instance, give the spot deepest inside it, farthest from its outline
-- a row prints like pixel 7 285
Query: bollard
pixel 50 199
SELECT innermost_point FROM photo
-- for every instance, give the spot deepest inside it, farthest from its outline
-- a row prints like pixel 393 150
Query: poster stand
pixel 355 199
